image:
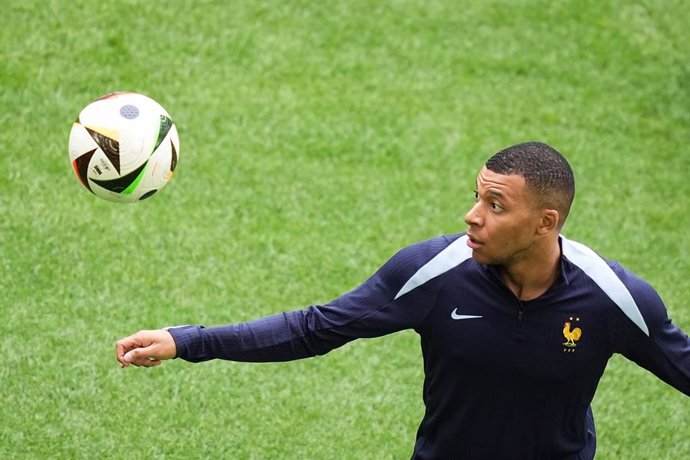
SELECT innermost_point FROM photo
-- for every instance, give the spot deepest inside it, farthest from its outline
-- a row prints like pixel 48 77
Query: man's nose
pixel 473 217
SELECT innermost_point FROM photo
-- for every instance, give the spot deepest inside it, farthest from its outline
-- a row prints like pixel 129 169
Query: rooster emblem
pixel 571 336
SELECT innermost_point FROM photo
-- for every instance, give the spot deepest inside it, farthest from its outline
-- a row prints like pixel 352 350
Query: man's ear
pixel 549 221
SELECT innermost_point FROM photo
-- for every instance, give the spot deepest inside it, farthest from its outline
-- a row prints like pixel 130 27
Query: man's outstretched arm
pixel 373 309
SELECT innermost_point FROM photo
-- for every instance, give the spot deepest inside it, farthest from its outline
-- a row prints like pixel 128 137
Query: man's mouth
pixel 472 242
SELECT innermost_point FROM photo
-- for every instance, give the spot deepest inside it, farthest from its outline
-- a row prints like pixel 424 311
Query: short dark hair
pixel 545 170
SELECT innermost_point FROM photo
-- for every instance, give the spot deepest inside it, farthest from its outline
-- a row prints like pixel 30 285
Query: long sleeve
pixel 371 310
pixel 666 350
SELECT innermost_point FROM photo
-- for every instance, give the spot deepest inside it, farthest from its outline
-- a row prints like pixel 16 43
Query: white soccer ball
pixel 124 147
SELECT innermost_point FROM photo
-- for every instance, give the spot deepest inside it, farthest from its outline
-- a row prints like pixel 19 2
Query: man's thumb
pixel 133 356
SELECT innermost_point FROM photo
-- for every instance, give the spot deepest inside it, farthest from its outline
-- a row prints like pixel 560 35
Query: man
pixel 516 322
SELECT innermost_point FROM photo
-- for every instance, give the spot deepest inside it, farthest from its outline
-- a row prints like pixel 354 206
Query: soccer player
pixel 516 321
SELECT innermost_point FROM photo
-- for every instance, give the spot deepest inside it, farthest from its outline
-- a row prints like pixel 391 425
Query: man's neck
pixel 533 275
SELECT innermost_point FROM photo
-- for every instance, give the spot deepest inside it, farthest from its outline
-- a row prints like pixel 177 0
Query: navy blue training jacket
pixel 504 378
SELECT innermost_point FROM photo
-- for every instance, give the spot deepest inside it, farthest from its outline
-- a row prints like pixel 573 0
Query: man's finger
pixel 140 357
pixel 120 350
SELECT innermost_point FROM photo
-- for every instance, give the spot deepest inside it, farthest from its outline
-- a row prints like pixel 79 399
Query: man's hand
pixel 145 348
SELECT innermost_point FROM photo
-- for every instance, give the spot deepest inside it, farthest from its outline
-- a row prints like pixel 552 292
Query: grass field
pixel 317 138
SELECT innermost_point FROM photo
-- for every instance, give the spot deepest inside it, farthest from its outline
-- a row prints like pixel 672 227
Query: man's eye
pixel 496 207
pixel 476 196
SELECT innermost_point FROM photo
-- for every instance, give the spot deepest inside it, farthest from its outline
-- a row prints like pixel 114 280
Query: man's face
pixel 504 220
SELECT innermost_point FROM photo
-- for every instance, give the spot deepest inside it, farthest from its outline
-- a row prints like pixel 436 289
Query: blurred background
pixel 317 139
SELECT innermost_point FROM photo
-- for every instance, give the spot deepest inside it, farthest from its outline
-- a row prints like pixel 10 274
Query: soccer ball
pixel 124 147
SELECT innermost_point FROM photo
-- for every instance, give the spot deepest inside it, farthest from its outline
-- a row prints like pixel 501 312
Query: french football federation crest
pixel 571 335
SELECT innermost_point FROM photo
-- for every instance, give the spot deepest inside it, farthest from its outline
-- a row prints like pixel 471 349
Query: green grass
pixel 317 138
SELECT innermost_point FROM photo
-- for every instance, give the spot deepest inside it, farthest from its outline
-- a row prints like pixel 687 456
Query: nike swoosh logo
pixel 454 314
